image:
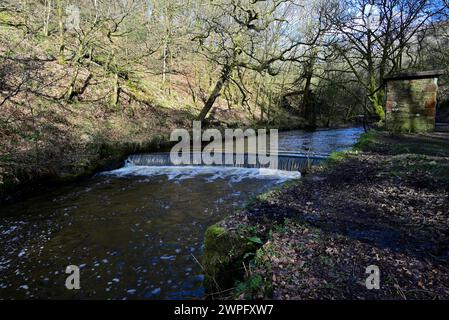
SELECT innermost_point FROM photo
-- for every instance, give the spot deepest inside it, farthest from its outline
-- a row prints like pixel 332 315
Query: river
pixel 135 232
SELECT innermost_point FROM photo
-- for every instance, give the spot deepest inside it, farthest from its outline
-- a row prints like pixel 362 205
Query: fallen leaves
pixel 376 208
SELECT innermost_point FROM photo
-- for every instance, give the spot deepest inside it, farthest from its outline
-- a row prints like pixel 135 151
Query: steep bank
pixel 47 137
pixel 385 204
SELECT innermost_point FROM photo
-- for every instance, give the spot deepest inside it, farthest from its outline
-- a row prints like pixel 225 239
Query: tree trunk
pixel 61 58
pixel 116 93
pixel 256 103
pixel 376 98
pixel 47 18
pixel 164 64
pixel 216 92
pixel 308 100
pixel 373 95
pixel 71 90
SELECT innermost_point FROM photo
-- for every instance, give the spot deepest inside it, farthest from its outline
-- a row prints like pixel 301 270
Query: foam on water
pixel 212 173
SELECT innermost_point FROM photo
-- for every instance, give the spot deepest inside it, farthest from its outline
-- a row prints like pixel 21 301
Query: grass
pixel 247 288
pixel 338 156
pixel 366 139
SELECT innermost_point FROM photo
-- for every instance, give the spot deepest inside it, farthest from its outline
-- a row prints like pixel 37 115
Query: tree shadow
pixel 375 210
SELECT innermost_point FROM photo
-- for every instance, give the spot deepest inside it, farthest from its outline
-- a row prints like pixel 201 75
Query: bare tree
pixel 371 36
pixel 230 38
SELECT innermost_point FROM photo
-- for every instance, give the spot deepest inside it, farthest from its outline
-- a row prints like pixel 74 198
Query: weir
pixel 285 161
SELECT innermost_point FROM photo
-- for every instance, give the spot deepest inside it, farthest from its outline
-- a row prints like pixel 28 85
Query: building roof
pixel 414 75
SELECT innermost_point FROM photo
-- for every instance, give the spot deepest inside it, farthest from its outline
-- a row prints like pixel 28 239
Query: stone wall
pixel 411 102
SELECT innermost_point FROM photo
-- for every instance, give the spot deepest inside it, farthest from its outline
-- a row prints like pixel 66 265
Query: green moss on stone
pixel 411 105
pixel 224 251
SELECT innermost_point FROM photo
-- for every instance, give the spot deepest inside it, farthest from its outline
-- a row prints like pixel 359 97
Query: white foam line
pixel 212 172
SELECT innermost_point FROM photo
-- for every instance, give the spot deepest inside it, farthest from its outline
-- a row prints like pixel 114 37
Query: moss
pixel 224 252
pixel 5 17
pixel 337 156
pixel 135 88
pixel 380 112
pixel 410 124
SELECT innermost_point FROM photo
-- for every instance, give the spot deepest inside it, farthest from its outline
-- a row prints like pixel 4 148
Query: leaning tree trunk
pixel 70 94
pixel 226 72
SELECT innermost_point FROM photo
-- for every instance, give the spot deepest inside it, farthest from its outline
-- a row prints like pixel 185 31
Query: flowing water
pixel 319 141
pixel 135 232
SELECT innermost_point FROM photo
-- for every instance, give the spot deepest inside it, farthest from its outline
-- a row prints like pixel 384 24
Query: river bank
pixel 136 232
pixel 22 181
pixel 23 174
pixel 385 203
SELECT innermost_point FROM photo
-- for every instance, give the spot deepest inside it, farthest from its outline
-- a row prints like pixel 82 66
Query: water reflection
pixel 320 141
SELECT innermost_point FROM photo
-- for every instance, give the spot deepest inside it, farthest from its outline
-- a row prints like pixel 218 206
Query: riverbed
pixel 135 232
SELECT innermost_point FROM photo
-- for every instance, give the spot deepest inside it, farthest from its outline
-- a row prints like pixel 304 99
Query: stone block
pixel 411 103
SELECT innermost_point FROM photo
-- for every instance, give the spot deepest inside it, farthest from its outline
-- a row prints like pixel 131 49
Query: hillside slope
pixel 44 134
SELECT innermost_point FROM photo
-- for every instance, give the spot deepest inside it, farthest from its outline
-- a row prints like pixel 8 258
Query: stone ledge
pixel 415 75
